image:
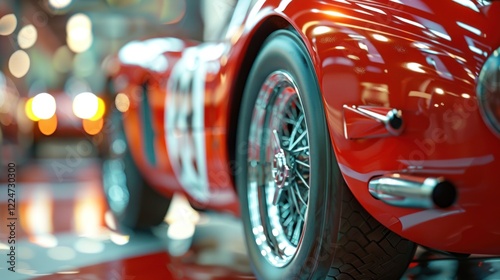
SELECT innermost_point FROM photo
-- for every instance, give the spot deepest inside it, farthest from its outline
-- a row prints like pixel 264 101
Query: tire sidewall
pixel 283 50
pixel 146 207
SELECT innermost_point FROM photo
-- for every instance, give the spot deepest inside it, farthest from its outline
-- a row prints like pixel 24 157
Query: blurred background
pixel 56 57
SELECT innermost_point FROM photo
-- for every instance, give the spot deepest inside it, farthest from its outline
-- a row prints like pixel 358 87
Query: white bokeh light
pixel 27 36
pixel 44 106
pixel 79 30
pixel 8 24
pixel 59 4
pixel 19 63
pixel 85 105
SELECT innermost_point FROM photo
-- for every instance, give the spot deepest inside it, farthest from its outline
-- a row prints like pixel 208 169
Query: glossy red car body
pixel 421 57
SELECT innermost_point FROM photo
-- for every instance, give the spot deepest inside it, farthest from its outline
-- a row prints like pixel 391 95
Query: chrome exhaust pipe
pixel 412 191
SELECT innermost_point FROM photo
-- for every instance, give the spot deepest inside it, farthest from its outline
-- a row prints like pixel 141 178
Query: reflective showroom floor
pixel 64 231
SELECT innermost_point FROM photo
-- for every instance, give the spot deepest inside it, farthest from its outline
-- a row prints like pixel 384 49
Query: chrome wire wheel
pixel 299 217
pixel 278 169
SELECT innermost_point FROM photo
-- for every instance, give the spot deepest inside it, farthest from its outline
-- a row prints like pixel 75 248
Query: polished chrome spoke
pixel 302 179
pixel 298 195
pixel 289 121
pixel 278 189
pixel 295 204
pixel 297 126
pixel 302 163
pixel 300 150
pixel 298 140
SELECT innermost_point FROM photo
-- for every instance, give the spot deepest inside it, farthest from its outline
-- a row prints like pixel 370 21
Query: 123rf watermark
pixel 11 221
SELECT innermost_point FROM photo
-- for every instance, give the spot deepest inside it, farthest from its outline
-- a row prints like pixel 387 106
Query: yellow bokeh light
pixel 27 36
pixel 101 109
pixel 48 127
pixel 28 110
pixel 19 63
pixel 93 127
pixel 8 24
pixel 122 102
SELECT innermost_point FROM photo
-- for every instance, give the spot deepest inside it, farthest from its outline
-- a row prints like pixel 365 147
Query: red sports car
pixel 344 132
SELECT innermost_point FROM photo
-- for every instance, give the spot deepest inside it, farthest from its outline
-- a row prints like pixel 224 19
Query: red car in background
pixel 344 132
pixel 55 114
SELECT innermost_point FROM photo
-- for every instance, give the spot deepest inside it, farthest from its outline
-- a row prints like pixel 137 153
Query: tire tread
pixel 366 249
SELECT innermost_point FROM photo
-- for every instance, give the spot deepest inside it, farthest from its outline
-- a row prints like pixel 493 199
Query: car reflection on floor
pixel 64 230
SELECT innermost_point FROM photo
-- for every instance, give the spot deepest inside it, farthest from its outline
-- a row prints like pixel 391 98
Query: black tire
pixel 134 202
pixel 366 249
pixel 339 239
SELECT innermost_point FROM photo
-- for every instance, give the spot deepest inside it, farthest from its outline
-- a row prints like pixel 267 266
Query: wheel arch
pixel 254 45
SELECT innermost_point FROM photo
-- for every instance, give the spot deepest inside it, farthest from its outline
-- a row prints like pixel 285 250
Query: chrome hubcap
pixel 278 169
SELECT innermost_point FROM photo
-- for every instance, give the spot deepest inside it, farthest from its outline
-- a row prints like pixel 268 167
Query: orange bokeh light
pixel 47 127
pixel 93 127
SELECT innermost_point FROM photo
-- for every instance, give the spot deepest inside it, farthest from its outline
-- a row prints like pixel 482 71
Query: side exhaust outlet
pixel 413 191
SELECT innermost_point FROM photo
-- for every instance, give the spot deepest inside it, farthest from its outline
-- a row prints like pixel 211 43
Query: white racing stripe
pixel 184 124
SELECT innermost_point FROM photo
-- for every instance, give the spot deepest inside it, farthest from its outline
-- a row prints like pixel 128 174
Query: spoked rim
pixel 278 169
